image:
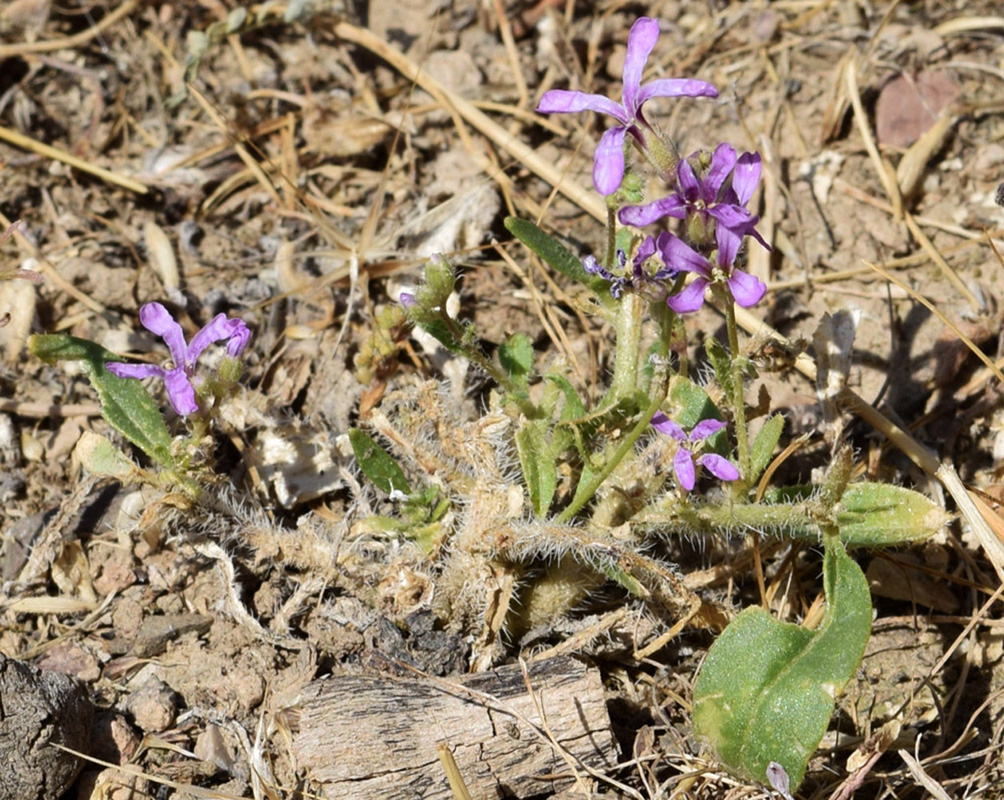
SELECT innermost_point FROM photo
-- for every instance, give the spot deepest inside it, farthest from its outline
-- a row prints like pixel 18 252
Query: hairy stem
pixel 738 400
pixel 628 326
pixel 625 447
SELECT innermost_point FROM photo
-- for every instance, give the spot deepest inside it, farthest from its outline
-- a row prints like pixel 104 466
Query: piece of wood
pixel 374 735
pixel 39 709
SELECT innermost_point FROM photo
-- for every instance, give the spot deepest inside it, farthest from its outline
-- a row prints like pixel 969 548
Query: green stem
pixel 625 447
pixel 628 327
pixel 803 520
pixel 497 374
pixel 738 397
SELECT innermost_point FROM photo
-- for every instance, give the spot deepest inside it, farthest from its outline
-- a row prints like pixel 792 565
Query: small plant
pixel 518 510
pixel 131 409
pixel 522 512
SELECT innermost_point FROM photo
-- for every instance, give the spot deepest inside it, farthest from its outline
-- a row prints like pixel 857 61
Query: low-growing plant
pixel 524 511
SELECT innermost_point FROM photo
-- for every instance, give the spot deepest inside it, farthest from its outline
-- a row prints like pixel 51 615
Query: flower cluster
pixel 716 221
pixel 178 380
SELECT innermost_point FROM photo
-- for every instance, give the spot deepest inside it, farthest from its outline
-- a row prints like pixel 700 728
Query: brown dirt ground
pixel 190 643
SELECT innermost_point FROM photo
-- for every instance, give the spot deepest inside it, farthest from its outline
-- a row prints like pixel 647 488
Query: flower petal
pixel 562 101
pixel 746 176
pixel 608 163
pixel 728 240
pixel 679 255
pixel 642 38
pixel 689 185
pixel 723 160
pixel 180 392
pixel 683 466
pixel 645 251
pixel 720 467
pixel 690 299
pixel 665 425
pixel 158 320
pixel 640 216
pixel 240 335
pixel 674 87
pixel 218 329
pixel 705 428
pixel 138 371
pixel 746 289
pixel 733 216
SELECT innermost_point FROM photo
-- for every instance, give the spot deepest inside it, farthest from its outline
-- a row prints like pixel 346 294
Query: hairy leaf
pixel 767 688
pixel 536 459
pixel 548 248
pixel 877 514
pixel 377 464
pixel 125 402
pixel 764 444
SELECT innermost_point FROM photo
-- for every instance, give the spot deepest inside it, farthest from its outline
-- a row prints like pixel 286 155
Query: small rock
pixel 113 738
pixel 907 107
pixel 153 706
pixel 71 659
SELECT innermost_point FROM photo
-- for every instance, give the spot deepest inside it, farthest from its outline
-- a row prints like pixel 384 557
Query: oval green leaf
pixel 767 688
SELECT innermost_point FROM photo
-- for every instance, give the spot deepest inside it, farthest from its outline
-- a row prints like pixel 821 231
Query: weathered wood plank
pixel 372 735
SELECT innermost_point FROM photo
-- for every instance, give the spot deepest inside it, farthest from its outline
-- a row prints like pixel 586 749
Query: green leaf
pixel 103 459
pixel 687 404
pixel 548 248
pixel 537 461
pixel 767 688
pixel 764 444
pixel 876 514
pixel 442 334
pixel 125 403
pixel 516 357
pixel 377 464
pixel 574 409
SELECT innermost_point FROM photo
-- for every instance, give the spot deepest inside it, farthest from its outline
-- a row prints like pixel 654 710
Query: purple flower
pixel 685 458
pixel 178 380
pixel 705 197
pixel 608 164
pixel 641 278
pixel 745 289
pixel 617 282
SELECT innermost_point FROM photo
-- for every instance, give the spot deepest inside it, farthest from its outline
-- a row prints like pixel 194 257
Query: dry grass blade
pixel 925 780
pixel 947 322
pixel 586 200
pixel 966 24
pixel 912 166
pixel 27 143
pixel 129 769
pixel 253 166
pixel 457 785
pixel 882 168
pixel 943 265
pixel 70 42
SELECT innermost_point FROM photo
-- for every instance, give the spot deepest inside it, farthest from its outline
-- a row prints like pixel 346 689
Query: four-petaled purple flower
pixel 178 380
pixel 746 289
pixel 686 458
pixel 608 163
pixel 705 198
